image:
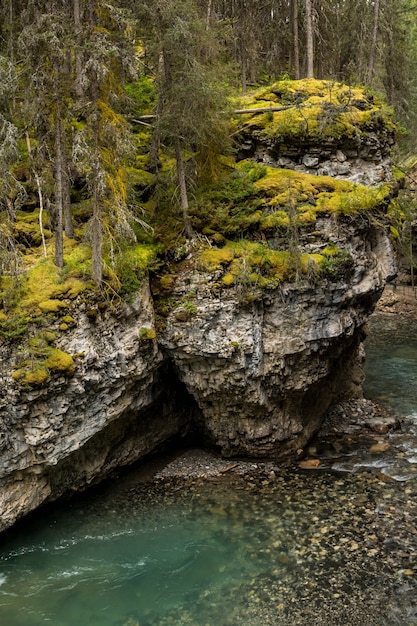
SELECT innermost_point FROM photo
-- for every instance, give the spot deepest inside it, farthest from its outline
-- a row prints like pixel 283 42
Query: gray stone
pixel 311 161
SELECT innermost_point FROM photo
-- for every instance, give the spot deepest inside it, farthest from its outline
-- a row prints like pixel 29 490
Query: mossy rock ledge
pixel 324 128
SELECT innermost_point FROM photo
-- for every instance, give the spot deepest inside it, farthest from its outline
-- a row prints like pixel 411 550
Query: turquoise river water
pixel 273 546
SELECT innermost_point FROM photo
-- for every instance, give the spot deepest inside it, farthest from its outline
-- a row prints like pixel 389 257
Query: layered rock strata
pixel 264 372
pixel 122 403
pixel 364 160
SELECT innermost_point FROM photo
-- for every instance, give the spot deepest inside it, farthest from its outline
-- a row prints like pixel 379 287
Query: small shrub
pixel 14 326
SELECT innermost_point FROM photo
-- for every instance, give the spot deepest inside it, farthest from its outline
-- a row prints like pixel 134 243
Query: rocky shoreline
pixel 359 419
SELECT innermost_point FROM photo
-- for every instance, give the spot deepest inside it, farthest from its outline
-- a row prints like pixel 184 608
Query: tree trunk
pixel 296 41
pixel 209 9
pixel 183 190
pixel 309 36
pixel 59 242
pixel 96 220
pixel 372 52
pixel 10 209
pixel 40 195
pixel 66 199
pixel 243 68
pixel 96 236
pixel 78 56
pixel 153 157
pixel 96 225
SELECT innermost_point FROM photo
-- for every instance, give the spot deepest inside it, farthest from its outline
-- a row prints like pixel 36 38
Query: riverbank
pixel 398 300
pixel 358 420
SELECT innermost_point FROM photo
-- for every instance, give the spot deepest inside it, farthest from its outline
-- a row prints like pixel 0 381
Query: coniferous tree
pixel 45 41
pixel 103 140
pixel 191 105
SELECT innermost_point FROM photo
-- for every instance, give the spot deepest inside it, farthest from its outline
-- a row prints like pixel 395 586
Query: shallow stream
pixel 336 545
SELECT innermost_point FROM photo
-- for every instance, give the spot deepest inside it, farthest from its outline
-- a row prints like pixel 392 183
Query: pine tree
pixel 191 105
pixel 103 141
pixel 45 41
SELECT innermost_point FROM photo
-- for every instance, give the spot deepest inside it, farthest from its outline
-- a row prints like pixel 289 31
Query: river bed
pixel 255 544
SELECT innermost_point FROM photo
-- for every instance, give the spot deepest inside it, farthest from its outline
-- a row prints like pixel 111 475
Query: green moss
pixel 147 333
pixel 140 178
pixel 37 376
pixel 77 263
pixel 27 230
pixel 59 361
pixel 216 258
pixel 277 219
pixel 131 266
pixel 37 372
pixel 253 264
pixel 68 319
pixel 352 199
pixel 48 336
pixel 52 306
pixel 142 95
pixel 167 281
pixel 258 198
pixel 319 110
pixel 228 279
pixel 394 232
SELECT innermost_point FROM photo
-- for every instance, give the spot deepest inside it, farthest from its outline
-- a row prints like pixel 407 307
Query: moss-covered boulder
pixel 322 127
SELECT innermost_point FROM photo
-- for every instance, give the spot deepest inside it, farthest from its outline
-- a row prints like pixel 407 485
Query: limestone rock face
pixel 115 409
pixel 264 372
pixel 364 160
pixel 255 377
pixel 252 373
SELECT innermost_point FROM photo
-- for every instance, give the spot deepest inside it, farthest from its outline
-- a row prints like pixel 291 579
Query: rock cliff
pixel 263 372
pixel 241 341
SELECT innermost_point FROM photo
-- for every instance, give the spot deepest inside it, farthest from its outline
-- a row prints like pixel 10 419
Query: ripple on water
pixel 244 550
